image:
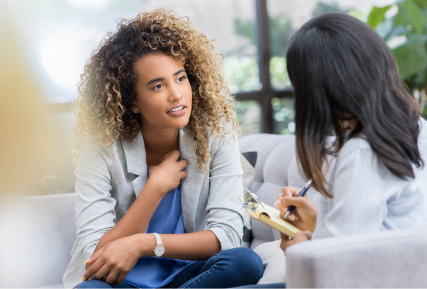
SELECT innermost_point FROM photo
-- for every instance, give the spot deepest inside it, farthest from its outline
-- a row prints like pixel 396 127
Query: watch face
pixel 159 251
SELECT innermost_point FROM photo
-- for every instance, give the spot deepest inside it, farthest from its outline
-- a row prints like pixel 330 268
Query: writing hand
pixel 305 214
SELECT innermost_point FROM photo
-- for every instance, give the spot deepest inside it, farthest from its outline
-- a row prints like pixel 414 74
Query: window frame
pixel 265 95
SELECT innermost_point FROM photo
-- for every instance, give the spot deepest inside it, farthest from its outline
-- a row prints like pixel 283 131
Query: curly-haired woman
pixel 158 166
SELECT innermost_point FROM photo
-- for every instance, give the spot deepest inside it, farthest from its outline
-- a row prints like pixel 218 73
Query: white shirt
pixel 367 197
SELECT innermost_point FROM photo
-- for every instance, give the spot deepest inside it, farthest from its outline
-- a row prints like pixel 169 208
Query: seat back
pixel 37 235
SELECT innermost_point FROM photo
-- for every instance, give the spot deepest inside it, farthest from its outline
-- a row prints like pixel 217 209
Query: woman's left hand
pixel 114 260
pixel 299 237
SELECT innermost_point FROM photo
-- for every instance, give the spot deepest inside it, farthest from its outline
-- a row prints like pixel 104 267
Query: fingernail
pixel 277 203
pixel 84 279
pixel 87 261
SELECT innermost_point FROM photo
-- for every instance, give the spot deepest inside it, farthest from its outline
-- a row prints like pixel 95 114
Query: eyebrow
pixel 162 78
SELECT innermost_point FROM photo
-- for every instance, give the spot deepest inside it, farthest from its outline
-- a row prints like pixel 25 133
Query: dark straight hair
pixel 336 62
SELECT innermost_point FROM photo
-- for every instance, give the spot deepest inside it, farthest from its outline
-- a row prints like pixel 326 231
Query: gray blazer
pixel 108 180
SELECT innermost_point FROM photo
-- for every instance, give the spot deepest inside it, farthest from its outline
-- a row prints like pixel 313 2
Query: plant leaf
pixel 411 14
pixel 377 16
pixel 411 56
pixel 422 3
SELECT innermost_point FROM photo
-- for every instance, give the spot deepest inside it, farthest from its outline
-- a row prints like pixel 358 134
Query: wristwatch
pixel 160 249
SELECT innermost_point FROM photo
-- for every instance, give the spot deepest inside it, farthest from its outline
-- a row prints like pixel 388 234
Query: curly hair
pixel 106 90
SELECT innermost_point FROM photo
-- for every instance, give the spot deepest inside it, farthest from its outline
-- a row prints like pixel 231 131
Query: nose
pixel 174 93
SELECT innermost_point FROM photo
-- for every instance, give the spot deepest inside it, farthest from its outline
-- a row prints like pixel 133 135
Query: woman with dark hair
pixel 346 82
pixel 158 164
pixel 373 177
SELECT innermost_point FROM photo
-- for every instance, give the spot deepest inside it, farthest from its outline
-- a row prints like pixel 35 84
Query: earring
pixel 135 110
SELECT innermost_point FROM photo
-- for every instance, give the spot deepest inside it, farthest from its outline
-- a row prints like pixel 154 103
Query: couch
pixel 37 234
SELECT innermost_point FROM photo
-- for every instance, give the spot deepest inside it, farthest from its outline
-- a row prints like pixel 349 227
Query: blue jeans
pixel 271 285
pixel 229 268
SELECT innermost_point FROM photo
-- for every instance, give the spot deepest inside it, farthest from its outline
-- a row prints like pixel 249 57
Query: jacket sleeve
pixel 95 207
pixel 224 214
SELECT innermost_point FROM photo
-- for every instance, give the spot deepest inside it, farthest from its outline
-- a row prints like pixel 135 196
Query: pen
pixel 301 194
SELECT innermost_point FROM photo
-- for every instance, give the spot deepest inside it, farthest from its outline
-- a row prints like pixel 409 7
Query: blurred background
pixel 48 42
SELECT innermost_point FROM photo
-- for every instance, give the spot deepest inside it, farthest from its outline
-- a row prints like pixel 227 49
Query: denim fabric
pixel 92 283
pixel 229 268
pixel 272 285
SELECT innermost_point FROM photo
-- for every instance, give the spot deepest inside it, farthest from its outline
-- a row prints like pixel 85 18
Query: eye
pixel 182 78
pixel 157 87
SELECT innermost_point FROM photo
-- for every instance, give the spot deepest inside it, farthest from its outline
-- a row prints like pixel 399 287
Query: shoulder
pixel 357 156
pixel 356 148
pixel 223 136
pixel 93 150
pixel 223 131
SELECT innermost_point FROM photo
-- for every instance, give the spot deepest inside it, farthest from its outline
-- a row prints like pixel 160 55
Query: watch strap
pixel 158 239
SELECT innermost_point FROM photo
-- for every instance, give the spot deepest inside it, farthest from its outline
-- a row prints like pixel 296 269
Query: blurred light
pixel 291 126
pixel 391 12
pixel 91 4
pixel 61 61
pixel 397 41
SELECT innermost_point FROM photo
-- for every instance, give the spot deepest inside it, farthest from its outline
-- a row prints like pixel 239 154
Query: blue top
pixel 152 272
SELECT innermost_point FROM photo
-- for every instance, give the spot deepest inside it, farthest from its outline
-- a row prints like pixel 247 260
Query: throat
pixel 156 149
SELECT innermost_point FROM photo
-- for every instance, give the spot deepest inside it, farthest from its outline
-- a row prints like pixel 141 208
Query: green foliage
pixel 323 8
pixel 411 14
pixel 377 15
pixel 245 28
pixel 280 32
pixel 248 115
pixel 242 73
pixel 409 24
pixel 412 59
pixel 278 73
pixel 283 115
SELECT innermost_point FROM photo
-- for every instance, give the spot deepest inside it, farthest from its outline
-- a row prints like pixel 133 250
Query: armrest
pixel 384 259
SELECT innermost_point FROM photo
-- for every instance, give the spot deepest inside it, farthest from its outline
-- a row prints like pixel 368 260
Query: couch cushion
pixel 37 235
pixel 387 259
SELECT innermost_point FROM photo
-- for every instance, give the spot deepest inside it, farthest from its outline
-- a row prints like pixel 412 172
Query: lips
pixel 177 110
pixel 177 107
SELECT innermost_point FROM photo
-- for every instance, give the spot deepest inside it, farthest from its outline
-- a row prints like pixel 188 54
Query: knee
pixel 247 262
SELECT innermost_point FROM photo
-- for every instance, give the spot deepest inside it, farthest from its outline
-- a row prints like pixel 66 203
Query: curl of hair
pixel 106 90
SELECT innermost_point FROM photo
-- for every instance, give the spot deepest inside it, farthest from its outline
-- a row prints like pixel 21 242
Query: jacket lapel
pixel 136 162
pixel 192 184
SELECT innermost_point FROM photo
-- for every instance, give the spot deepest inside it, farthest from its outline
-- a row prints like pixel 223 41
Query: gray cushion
pixel 383 259
pixel 36 238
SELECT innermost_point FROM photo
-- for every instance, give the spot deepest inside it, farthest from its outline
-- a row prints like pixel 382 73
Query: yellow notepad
pixel 271 217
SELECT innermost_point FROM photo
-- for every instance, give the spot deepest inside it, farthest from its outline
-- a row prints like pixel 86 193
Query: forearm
pixel 136 218
pixel 190 246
